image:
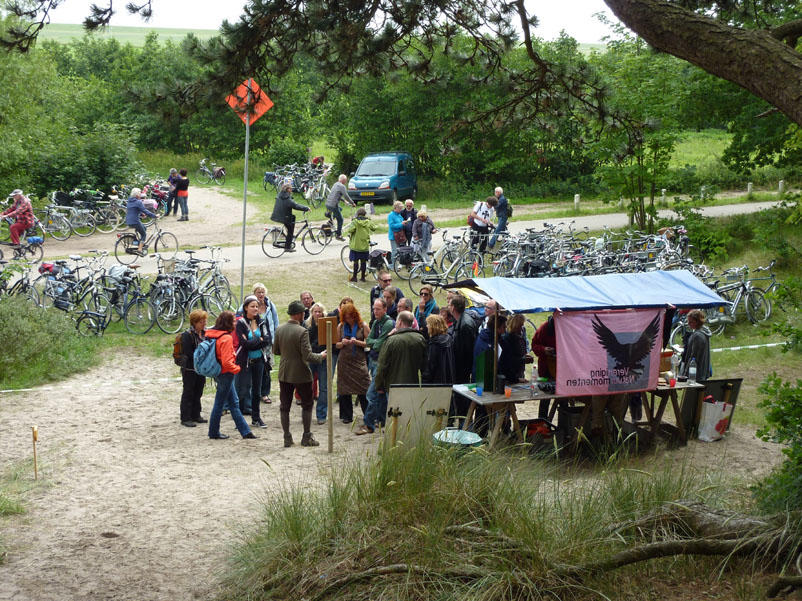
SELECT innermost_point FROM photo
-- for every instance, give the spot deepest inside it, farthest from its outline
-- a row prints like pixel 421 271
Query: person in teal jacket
pixel 396 224
pixel 358 232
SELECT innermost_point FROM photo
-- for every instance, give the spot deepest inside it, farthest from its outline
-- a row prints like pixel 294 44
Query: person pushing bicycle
pixel 283 213
pixel 133 217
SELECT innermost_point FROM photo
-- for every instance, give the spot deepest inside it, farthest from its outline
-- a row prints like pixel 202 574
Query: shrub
pixel 782 490
pixel 283 152
pixel 46 345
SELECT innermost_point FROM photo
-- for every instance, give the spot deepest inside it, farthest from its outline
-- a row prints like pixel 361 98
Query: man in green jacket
pixel 402 356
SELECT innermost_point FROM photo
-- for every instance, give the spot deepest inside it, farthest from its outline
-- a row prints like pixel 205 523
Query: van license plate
pixel 367 194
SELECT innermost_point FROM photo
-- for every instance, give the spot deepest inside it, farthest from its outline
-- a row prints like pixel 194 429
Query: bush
pixel 46 345
pixel 782 490
pixel 283 152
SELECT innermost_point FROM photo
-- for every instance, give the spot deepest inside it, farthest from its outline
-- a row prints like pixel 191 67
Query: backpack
pixel 205 357
pixel 509 209
pixel 178 350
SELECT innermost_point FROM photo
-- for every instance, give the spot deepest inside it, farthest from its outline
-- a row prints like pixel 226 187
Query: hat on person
pixel 17 191
pixel 295 308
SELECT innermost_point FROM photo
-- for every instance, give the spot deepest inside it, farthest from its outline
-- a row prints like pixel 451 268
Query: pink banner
pixel 606 352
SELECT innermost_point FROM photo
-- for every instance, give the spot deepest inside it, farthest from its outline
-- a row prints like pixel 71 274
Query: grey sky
pixel 574 16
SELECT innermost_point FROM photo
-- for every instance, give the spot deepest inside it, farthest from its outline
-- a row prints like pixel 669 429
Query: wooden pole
pixel 329 398
pixel 35 436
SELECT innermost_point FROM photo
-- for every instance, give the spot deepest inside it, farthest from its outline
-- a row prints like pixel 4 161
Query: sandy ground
pixel 136 506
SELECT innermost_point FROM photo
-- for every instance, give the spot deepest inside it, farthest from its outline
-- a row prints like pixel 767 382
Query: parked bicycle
pixel 22 286
pixel 204 174
pixel 126 250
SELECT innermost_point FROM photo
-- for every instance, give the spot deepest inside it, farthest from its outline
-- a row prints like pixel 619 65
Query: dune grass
pixel 429 523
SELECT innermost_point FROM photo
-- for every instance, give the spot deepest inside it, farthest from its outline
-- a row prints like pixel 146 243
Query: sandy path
pixel 138 506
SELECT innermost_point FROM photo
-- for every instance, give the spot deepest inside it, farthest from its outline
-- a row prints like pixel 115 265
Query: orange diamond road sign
pixel 255 104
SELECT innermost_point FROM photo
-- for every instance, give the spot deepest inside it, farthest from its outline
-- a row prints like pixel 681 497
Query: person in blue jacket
pixel 396 224
pixel 133 217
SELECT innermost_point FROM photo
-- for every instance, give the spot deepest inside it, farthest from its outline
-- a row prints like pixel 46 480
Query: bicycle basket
pixel 168 265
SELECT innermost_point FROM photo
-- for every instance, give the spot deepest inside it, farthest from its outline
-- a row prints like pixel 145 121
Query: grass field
pixel 698 147
pixel 65 33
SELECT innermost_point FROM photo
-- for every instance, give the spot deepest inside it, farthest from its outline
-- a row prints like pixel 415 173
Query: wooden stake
pixel 35 436
pixel 329 398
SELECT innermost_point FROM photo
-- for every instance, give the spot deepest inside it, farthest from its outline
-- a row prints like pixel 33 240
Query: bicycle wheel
pixel 345 254
pixel 314 240
pixel 208 303
pixel 121 224
pixel 713 319
pixel 107 220
pixel 169 314
pixel 139 316
pixel 5 232
pixel 417 273
pixel 219 179
pixel 758 307
pixel 125 250
pixel 401 270
pixel 202 176
pixel 57 226
pixel 30 293
pixel 166 245
pixel 273 242
pixel 89 324
pixel 677 334
pixel 97 302
pixel 84 225
pixel 32 253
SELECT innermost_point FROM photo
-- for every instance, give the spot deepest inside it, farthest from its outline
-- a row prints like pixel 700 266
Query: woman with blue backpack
pixel 221 336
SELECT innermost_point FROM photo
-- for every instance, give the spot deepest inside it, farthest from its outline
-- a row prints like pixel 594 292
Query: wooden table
pixel 497 405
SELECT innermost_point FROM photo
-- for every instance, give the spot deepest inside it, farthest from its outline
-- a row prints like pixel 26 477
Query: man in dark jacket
pixel 385 281
pixel 463 332
pixel 409 215
pixel 282 213
pixel 402 355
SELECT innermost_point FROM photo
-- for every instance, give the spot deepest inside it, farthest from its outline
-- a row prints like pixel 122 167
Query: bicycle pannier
pixel 405 254
pixel 376 261
pixel 205 358
pixel 219 171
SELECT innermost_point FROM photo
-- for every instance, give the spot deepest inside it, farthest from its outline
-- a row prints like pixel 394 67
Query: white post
pixel 782 187
pixel 703 192
pixel 620 202
pixel 749 188
pixel 576 202
pixel 663 196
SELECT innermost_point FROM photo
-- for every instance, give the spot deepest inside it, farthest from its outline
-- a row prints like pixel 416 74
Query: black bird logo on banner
pixel 629 355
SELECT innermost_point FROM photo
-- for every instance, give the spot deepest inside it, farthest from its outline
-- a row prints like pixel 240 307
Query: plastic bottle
pixel 692 372
pixel 533 383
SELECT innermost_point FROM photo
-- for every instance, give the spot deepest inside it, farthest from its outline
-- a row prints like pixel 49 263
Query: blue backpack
pixel 205 358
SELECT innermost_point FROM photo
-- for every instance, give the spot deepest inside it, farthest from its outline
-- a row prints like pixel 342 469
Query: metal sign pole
pixel 245 198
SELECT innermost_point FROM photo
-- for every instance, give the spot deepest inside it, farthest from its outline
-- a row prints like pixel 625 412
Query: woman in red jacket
pixel 226 397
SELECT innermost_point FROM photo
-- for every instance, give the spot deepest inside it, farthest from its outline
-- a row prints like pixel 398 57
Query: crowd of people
pixel 401 341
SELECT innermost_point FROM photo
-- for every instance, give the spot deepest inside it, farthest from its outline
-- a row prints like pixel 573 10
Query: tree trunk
pixel 753 59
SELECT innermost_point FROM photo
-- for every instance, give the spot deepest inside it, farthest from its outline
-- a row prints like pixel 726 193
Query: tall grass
pixel 461 526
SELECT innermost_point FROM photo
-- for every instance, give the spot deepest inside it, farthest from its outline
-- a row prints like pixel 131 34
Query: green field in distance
pixel 61 32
